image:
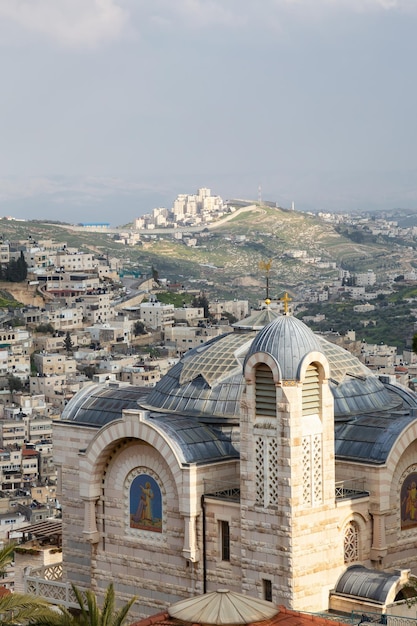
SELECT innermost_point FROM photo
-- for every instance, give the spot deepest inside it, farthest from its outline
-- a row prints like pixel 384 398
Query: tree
pixel 68 342
pixel 414 345
pixel 15 384
pixel 89 371
pixel 90 613
pixel 155 275
pixel 139 328
pixel 16 271
pixel 45 328
pixel 20 608
pixel 201 301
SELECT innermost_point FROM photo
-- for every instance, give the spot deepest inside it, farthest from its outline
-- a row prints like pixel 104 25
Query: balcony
pixel 350 489
pixel 222 490
pixel 46 582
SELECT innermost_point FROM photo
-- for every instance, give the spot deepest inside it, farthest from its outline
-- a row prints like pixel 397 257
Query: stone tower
pixel 290 540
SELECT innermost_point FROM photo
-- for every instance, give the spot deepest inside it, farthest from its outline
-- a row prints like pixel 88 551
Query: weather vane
pixel 266 267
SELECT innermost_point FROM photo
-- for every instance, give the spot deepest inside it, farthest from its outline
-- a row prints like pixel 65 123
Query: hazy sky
pixel 111 107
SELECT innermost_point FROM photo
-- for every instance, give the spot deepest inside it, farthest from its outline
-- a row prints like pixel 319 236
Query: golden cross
pixel 285 299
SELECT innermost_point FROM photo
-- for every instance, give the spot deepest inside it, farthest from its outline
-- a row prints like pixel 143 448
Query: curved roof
pixel 360 582
pixel 207 381
pixel 222 607
pixel 197 442
pixel 97 405
pixel 370 438
pixel 257 319
pixel 205 388
pixel 288 340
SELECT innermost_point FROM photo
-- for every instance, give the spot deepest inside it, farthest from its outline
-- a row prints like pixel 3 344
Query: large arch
pixel 133 425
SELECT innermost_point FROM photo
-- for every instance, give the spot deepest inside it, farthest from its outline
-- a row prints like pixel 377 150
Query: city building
pixel 270 461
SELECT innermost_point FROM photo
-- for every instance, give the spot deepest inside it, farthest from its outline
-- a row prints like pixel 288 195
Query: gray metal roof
pixel 257 319
pixel 369 438
pixel 288 340
pixel 206 382
pixel 206 387
pixel 369 584
pixel 198 442
pixel 98 405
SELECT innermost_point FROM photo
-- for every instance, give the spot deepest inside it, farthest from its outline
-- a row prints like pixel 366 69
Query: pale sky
pixel 111 107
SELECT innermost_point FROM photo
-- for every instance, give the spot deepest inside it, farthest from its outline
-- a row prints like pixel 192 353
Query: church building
pixel 268 461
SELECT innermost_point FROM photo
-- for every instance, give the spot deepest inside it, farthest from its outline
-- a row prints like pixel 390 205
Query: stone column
pixel 90 531
pixel 379 543
pixel 190 550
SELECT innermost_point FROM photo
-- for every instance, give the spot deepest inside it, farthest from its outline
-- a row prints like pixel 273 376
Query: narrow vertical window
pixel 351 543
pixel 267 589
pixel 225 540
pixel 311 392
pixel 265 391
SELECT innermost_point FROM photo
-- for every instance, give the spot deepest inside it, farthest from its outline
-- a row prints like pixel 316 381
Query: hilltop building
pixel 267 460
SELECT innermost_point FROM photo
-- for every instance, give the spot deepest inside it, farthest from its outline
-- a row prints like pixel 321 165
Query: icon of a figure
pixel 410 502
pixel 144 510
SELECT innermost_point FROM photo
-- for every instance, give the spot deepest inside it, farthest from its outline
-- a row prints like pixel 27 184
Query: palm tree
pixel 89 613
pixel 19 608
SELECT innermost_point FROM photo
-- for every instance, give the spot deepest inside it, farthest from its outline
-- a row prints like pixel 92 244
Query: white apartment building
pixel 183 338
pixel 66 284
pixel 188 315
pixel 17 428
pixel 63 318
pixel 143 376
pixel 4 253
pixel 48 364
pixel 238 308
pixel 51 343
pixel 95 307
pixel 18 362
pixel 116 331
pixel 75 261
pixel 58 389
pixel 156 315
pixel 367 279
pixel 13 336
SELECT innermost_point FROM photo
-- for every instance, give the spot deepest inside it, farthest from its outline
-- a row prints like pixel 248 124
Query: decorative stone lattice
pixel 317 470
pixel 272 471
pixel 306 471
pixel 351 543
pixel 260 470
pixel 312 470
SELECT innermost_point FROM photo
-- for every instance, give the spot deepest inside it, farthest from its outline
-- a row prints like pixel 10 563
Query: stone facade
pixel 285 515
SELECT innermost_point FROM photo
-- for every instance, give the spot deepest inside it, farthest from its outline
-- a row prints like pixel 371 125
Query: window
pixel 265 392
pixel 225 540
pixel 311 391
pixel 351 543
pixel 267 589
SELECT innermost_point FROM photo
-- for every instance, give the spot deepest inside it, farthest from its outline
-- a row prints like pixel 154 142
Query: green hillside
pixel 228 254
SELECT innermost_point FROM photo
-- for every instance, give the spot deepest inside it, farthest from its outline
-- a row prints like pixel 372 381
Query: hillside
pixel 228 253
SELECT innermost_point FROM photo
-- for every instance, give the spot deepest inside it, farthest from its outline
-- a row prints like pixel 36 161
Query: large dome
pixel 208 381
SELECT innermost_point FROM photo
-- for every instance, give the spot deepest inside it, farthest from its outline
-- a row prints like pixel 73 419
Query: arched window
pixel 265 392
pixel 311 391
pixel 312 440
pixel 351 543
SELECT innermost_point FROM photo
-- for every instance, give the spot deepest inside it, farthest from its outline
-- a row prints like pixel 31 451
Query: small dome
pixel 288 340
pixel 221 608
